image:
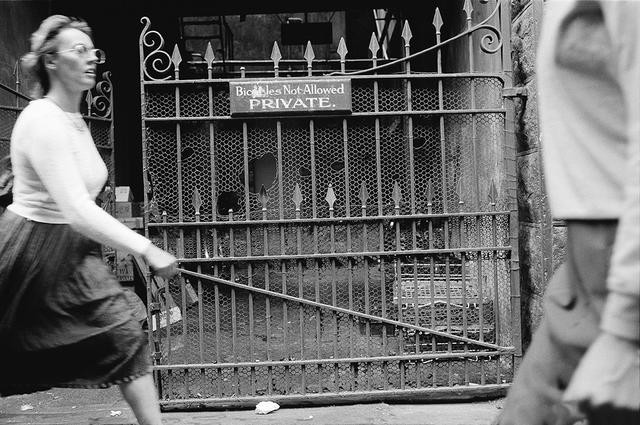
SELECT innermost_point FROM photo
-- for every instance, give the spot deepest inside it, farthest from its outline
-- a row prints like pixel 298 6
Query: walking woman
pixel 64 319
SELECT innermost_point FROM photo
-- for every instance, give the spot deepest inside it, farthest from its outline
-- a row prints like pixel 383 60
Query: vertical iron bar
pixel 379 201
pixel 301 306
pixel 283 264
pixel 267 301
pixel 200 319
pixel 334 300
pixel 432 286
pixel 167 313
pixel 367 301
pixel 494 258
pixel 400 285
pixel 347 191
pixel 247 212
pixel 234 309
pixel 214 219
pixel 314 189
pixel 447 265
pixel 465 302
pixel 154 340
pixel 443 159
pixel 185 341
pixel 480 296
pixel 165 243
pixel 352 366
pixel 412 201
pixel 474 136
pixel 216 293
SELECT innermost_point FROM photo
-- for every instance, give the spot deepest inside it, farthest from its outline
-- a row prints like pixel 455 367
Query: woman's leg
pixel 143 399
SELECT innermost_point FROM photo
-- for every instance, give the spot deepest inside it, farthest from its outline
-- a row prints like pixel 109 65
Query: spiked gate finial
pixel 437 20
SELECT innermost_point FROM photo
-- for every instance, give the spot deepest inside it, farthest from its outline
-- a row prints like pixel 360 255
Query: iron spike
pixel 197 201
pixel 468 8
pixel 364 194
pixel 437 20
pixel 208 55
pixel 88 99
pixel 275 54
pixel 493 193
pixel 342 49
pixel 429 192
pixel 176 58
pixel 264 198
pixel 397 193
pixel 459 191
pixel 297 197
pixel 406 33
pixel 308 53
pixel 331 197
pixel 374 46
pixel 153 209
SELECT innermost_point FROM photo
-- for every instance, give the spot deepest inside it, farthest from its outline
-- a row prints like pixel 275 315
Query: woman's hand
pixel 161 262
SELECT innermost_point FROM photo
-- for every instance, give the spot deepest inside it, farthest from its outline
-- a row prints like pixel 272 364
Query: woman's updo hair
pixel 43 41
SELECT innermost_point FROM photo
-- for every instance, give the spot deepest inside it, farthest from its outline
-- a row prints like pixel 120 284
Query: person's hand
pixel 161 262
pixel 607 376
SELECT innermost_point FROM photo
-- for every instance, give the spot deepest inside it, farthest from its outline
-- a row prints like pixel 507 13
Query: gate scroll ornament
pixel 369 255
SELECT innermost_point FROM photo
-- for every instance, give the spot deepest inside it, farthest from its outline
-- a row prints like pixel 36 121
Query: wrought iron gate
pixel 328 259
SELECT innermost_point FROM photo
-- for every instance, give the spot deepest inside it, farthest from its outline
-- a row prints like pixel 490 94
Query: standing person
pixel 64 319
pixel 583 361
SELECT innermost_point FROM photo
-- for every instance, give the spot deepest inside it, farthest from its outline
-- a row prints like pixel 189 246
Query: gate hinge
pixel 515 92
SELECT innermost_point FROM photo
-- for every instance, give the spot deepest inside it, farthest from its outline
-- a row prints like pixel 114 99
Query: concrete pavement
pixel 78 407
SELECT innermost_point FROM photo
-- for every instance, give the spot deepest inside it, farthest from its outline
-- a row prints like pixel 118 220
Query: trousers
pixel 573 303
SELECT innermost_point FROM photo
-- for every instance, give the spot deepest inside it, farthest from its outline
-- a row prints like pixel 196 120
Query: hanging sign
pixel 290 96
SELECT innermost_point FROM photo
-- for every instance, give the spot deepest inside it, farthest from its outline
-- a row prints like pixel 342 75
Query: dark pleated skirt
pixel 64 318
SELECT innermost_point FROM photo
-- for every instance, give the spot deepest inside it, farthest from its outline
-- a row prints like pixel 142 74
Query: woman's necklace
pixel 74 118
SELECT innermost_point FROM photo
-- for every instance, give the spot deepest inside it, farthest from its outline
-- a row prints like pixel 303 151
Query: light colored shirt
pixel 58 173
pixel 589 100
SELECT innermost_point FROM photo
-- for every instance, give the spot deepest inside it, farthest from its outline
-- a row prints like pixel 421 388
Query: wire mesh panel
pixel 368 253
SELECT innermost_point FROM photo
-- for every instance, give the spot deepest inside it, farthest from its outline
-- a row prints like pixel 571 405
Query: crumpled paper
pixel 265 407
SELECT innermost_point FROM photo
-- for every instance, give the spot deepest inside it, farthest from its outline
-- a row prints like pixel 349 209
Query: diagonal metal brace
pixel 341 310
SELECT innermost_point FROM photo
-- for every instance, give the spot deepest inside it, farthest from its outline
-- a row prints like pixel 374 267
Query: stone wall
pixel 542 240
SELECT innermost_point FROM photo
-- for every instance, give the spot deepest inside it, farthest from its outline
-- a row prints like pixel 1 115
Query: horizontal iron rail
pixel 474 356
pixel 339 309
pixel 283 61
pixel 459 392
pixel 326 220
pixel 414 76
pixel 333 115
pixel 345 254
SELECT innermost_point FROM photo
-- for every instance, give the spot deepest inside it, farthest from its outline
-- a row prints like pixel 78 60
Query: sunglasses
pixel 83 51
